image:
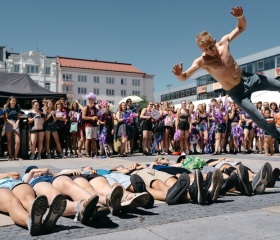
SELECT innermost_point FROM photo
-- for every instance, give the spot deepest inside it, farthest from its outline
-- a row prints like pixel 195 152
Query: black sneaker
pixel 274 178
pixel 243 186
pixel 56 209
pixel 178 189
pixel 229 183
pixel 196 189
pixel 207 184
pixel 139 186
pixel 37 211
pixel 260 181
pixel 215 186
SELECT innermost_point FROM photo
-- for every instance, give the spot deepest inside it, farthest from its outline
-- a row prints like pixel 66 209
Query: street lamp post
pixel 169 85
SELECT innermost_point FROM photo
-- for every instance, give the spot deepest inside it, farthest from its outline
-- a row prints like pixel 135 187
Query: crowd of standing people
pixel 61 129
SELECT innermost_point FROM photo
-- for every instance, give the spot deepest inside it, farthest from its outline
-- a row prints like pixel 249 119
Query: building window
pixel 16 68
pixel 96 79
pixel 123 81
pixel 260 65
pixel 82 90
pixel 244 68
pixel 67 77
pixel 82 78
pixel 272 61
pixel 110 92
pixel 82 102
pixel 204 80
pixel 110 80
pixel 182 94
pixel 193 91
pixel 135 82
pixel 48 86
pixel 187 92
pixel 67 89
pixel 277 62
pixel 32 69
pixel 136 93
pixel 123 93
pixel 48 70
pixel 177 94
pixel 202 96
pixel 96 91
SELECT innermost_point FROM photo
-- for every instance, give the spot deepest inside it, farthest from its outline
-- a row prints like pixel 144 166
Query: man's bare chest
pixel 218 62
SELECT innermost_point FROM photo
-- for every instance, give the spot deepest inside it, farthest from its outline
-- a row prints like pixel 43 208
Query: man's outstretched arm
pixel 241 24
pixel 182 76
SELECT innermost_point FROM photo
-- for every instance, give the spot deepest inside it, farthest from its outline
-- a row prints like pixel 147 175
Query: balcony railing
pixel 67 83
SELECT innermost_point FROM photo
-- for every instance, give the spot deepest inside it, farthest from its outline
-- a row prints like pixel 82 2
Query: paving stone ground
pixel 128 226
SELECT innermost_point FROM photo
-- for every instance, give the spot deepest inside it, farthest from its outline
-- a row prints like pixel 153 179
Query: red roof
pixel 97 65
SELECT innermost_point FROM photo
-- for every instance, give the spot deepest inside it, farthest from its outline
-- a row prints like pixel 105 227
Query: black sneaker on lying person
pixel 229 183
pixel 196 190
pixel 261 179
pixel 274 178
pixel 179 188
pixel 213 184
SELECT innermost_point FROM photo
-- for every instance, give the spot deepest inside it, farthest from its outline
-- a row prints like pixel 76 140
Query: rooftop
pixel 97 65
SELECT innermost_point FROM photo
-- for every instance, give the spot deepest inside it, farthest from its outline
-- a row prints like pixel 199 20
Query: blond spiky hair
pixel 203 38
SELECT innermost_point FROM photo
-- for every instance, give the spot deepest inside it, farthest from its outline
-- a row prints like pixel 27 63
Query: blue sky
pixel 152 35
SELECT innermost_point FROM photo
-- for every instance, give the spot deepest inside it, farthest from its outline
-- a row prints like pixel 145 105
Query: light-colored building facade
pixel 40 68
pixel 176 95
pixel 111 81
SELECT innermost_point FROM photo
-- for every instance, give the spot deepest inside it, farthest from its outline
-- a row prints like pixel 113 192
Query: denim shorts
pixel 202 127
pixel 45 178
pixel 9 183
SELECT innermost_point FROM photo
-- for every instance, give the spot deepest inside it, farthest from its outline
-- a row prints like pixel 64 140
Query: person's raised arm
pixel 183 76
pixel 241 24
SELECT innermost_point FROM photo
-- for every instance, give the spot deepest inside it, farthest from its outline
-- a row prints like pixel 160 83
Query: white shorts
pixel 220 164
pixel 116 177
pixel 91 132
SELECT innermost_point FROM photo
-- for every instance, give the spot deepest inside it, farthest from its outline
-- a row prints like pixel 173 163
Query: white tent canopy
pixel 266 96
pixel 263 96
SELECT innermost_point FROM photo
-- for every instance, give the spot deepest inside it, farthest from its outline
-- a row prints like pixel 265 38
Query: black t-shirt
pixel 12 113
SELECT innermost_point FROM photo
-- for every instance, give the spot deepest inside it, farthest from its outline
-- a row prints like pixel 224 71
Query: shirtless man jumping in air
pixel 216 59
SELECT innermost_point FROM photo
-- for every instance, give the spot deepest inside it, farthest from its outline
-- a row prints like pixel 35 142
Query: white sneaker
pixel 183 154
